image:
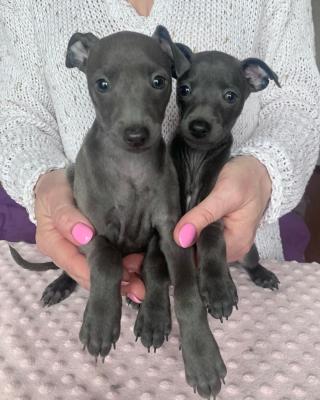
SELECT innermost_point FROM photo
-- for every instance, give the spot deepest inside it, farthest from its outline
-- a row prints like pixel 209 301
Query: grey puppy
pixel 125 182
pixel 210 96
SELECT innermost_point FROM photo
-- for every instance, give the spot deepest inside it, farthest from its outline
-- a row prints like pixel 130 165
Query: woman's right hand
pixel 61 229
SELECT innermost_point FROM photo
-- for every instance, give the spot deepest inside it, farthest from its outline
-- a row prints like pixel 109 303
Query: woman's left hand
pixel 240 197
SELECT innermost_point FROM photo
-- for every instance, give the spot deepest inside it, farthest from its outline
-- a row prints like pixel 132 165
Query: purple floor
pixel 15 225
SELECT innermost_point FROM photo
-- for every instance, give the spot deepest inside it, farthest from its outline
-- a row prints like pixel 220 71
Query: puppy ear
pixel 180 62
pixel 185 50
pixel 258 74
pixel 78 50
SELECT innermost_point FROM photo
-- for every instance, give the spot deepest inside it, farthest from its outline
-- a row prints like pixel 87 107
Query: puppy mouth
pixel 200 143
pixel 138 148
pixel 206 142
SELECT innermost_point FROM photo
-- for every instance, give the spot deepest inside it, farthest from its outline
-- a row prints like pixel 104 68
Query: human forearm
pixel 22 161
pixel 287 143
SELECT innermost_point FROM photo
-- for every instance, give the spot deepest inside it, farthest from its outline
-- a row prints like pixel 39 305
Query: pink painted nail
pixel 134 298
pixel 82 233
pixel 187 235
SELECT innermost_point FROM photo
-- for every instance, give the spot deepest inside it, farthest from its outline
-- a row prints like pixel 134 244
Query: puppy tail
pixel 29 265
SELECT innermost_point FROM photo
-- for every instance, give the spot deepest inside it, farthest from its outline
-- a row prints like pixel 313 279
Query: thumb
pixel 211 209
pixel 69 221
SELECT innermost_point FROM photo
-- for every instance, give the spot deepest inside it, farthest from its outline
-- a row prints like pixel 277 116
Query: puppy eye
pixel 184 90
pixel 230 97
pixel 158 82
pixel 102 85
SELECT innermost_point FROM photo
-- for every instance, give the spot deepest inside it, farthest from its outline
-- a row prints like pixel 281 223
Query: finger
pixel 135 290
pixel 125 275
pixel 72 225
pixel 211 209
pixel 133 262
pixel 66 257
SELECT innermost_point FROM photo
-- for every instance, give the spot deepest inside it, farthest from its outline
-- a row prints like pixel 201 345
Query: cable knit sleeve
pixel 286 140
pixel 29 139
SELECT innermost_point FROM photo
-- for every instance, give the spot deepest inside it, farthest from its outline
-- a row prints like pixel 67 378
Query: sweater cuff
pixel 267 157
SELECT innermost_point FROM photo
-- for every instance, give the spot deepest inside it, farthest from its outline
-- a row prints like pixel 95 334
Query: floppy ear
pixel 258 74
pixel 78 50
pixel 185 50
pixel 180 62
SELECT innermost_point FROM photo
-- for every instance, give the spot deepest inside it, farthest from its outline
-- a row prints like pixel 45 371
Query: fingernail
pixel 82 233
pixel 134 298
pixel 187 235
pixel 125 283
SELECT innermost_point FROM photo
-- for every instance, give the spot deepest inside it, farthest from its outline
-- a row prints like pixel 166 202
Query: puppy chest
pixel 193 180
pixel 191 196
pixel 130 227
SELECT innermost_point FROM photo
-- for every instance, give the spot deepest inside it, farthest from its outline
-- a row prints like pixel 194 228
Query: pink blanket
pixel 271 346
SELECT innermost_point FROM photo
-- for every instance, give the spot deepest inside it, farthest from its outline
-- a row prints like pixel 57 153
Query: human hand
pixel 61 229
pixel 240 197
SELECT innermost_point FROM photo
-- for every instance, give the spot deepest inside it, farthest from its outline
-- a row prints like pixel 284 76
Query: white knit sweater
pixel 45 110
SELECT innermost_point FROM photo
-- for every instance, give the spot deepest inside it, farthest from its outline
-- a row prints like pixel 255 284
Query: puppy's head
pixel 212 91
pixel 129 80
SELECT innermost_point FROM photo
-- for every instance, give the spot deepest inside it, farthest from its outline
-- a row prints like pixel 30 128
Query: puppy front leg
pixel 204 366
pixel 153 322
pixel 217 288
pixel 101 321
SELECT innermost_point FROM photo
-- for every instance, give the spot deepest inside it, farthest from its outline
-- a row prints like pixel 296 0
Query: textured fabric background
pixel 15 225
pixel 271 346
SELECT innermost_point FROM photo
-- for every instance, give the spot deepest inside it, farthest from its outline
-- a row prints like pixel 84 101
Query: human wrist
pixel 262 174
pixel 48 180
pixel 257 179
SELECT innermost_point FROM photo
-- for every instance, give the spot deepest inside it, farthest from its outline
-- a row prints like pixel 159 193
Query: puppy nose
pixel 136 136
pixel 199 128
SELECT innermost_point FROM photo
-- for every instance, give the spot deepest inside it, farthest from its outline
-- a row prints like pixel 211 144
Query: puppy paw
pixel 219 294
pixel 100 329
pixel 204 366
pixel 153 323
pixel 263 277
pixel 58 290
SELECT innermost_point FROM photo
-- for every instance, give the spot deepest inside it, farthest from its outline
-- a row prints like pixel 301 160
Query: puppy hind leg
pixel 58 290
pixel 260 275
pixel 153 323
